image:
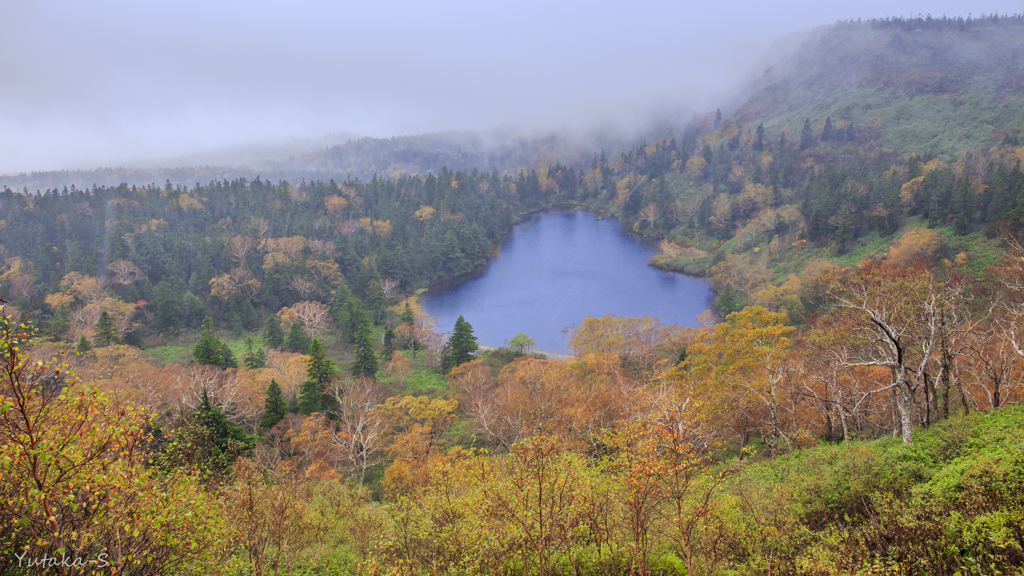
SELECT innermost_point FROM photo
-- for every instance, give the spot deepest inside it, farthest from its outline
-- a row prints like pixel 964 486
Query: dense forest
pixel 236 377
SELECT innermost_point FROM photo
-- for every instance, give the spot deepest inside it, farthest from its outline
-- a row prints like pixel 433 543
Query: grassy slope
pixel 951 500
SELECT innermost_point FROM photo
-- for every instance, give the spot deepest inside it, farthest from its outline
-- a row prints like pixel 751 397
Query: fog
pixel 109 83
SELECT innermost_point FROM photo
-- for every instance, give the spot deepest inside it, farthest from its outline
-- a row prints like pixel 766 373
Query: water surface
pixel 554 270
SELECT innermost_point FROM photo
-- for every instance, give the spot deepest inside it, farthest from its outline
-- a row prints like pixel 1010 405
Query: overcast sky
pixel 84 84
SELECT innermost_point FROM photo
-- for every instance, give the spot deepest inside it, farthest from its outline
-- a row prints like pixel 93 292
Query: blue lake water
pixel 554 270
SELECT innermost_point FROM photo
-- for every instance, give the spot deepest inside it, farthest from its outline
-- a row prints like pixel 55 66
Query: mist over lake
pixel 556 269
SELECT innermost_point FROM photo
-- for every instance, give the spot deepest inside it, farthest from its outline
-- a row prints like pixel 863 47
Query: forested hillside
pixel 236 377
pixel 362 158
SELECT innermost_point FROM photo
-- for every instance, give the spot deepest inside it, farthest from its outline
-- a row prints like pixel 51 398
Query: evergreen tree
pixel 236 324
pixel 806 136
pixel 106 331
pixel 351 318
pixel 759 142
pixel 296 341
pixel 209 350
pixel 313 395
pixel 208 441
pixel 227 357
pixel 254 357
pixel 273 335
pixel 729 301
pixel 828 132
pixel 407 316
pixel 365 362
pixel 83 346
pixel 462 342
pixel 275 408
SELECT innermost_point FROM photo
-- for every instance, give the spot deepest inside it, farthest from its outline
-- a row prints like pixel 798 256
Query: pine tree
pixel 227 357
pixel 296 341
pixel 210 441
pixel 351 318
pixel 273 335
pixel 729 301
pixel 806 136
pixel 365 363
pixel 208 350
pixel 275 408
pixel 759 142
pixel 828 132
pixel 462 342
pixel 407 316
pixel 254 357
pixel 106 331
pixel 313 394
pixel 83 346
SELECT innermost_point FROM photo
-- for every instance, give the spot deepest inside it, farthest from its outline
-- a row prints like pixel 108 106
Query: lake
pixel 556 269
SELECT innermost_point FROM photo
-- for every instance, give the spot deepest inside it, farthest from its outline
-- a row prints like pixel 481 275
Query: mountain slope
pixel 929 85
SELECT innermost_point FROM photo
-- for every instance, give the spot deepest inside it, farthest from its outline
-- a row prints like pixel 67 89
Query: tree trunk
pixel 842 420
pixel 905 403
pixel 897 422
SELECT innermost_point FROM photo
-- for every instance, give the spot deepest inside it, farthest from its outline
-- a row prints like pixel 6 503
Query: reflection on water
pixel 557 269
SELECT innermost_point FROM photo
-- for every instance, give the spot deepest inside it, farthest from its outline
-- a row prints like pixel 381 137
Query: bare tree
pixel 389 287
pixel 649 214
pixel 240 247
pixel 303 285
pixel 125 272
pixel 361 430
pixel 892 315
pixel 314 316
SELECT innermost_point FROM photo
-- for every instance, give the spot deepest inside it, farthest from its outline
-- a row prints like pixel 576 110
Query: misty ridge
pixel 506 150
pixel 904 82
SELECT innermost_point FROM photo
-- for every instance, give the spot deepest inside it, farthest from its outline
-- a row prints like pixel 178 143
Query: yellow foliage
pixel 272 259
pixel 336 205
pixel 909 190
pixel 189 202
pixel 695 166
pixel 915 243
pixel 154 225
pixel 382 228
pixel 621 190
pixel 58 300
pixel 784 298
pixel 763 195
pixel 932 165
pixel 425 213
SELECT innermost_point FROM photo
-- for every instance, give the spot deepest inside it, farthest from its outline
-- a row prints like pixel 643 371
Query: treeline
pixel 930 23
